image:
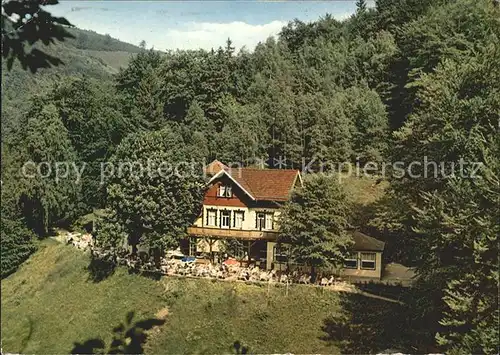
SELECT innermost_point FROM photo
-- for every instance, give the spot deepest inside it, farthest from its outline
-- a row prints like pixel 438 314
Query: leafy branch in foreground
pixel 26 23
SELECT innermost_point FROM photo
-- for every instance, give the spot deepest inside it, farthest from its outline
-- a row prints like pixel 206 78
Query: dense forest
pixel 397 82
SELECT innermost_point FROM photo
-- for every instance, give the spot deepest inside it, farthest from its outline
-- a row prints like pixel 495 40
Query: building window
pixel 238 219
pixel 351 261
pixel 368 261
pixel 264 220
pixel 260 221
pixel 269 220
pixel 225 219
pixel 211 217
pixel 224 191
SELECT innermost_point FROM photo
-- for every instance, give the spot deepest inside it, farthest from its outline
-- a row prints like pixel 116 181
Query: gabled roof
pixel 362 242
pixel 263 184
pixel 214 167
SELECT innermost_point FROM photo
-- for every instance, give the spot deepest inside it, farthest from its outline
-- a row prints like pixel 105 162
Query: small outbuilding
pixel 365 259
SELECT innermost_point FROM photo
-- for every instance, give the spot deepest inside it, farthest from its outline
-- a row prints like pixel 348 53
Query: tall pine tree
pixel 314 223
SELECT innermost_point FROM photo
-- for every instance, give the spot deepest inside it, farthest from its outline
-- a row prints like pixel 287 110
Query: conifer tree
pixel 360 6
pixel 47 197
pixel 149 105
pixel 457 210
pixel 314 223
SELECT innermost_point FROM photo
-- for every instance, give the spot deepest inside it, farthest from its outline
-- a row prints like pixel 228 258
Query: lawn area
pixel 51 304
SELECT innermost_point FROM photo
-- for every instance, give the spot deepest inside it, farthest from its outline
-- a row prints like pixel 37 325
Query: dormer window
pixel 224 191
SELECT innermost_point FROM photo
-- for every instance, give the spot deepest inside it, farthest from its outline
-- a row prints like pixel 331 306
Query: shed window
pixel 351 261
pixel 368 261
pixel 193 246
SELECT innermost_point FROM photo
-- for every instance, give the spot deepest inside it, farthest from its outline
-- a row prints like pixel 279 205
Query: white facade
pixel 253 219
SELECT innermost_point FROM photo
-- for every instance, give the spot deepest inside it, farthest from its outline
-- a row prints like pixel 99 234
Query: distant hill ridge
pixel 86 39
pixel 89 54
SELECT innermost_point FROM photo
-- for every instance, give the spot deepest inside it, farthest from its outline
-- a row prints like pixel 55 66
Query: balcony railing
pixel 232 233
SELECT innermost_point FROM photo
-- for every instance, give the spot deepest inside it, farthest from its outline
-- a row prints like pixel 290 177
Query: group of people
pixel 191 267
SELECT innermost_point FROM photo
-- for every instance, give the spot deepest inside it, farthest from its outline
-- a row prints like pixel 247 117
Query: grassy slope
pixel 364 190
pixel 113 59
pixel 85 39
pixel 50 304
pixel 209 317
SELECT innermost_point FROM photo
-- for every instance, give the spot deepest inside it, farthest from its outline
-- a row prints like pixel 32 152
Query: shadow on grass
pixel 100 269
pixel 367 325
pixel 129 338
pixel 153 275
pixel 28 336
pixel 239 349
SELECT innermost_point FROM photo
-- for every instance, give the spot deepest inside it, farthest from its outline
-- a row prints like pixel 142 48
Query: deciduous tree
pixel 156 188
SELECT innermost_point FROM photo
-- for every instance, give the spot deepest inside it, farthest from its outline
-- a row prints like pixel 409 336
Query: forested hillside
pixel 87 54
pixel 402 82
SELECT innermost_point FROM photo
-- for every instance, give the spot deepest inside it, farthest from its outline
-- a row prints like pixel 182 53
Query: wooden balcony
pixel 232 233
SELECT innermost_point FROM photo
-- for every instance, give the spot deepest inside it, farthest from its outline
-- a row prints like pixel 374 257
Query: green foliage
pixel 18 86
pixel 201 130
pixel 314 222
pixel 454 30
pixel 138 79
pixel 149 107
pixel 154 193
pixel 90 111
pixel 456 214
pixel 240 139
pixel 369 117
pixel 17 244
pixel 90 40
pixel 392 14
pixel 326 130
pixel 47 195
pixel 462 221
pixel 25 24
pixel 360 5
pixel 111 233
pixel 17 240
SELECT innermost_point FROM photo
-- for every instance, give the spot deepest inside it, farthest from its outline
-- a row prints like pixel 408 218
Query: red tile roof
pixel 266 184
pixel 214 167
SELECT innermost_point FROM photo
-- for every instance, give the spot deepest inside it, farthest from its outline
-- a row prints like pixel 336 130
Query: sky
pixel 170 25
